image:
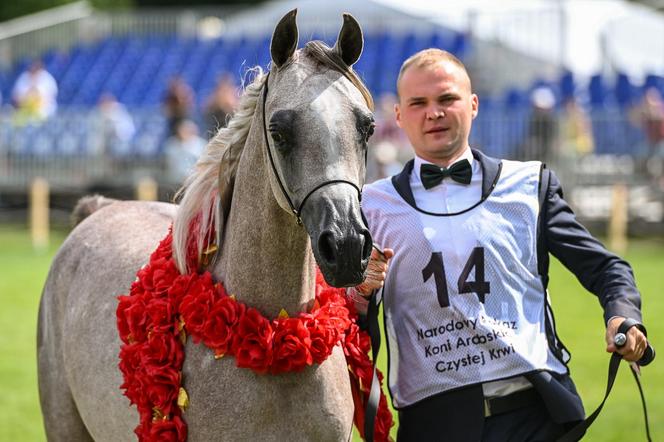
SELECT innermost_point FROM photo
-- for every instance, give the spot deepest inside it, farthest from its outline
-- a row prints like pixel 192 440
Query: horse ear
pixel 284 39
pixel 350 41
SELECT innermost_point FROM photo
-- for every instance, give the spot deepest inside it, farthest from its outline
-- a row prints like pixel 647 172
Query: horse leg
pixel 62 421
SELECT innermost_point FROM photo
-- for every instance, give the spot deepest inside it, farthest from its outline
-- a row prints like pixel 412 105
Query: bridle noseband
pixel 297 212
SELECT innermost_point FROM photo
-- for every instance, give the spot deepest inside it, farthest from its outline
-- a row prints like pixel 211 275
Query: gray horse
pixel 280 182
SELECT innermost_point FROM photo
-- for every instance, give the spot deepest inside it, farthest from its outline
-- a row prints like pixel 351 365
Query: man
pixel 35 93
pixel 473 352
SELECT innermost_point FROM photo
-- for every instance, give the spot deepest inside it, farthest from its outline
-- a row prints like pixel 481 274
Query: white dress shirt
pixel 450 197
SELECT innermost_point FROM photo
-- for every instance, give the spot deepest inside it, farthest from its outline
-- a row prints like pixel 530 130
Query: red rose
pixel 291 346
pixel 136 288
pixel 196 305
pixel 356 347
pixel 130 357
pixel 252 343
pixel 323 339
pixel 172 430
pixel 179 288
pixel 164 249
pixel 163 350
pixel 143 429
pixel 146 273
pixel 163 275
pixel 130 366
pixel 384 419
pixel 320 283
pixel 161 313
pixel 131 318
pixel 335 316
pixel 331 295
pixel 161 389
pixel 218 329
pixel 357 343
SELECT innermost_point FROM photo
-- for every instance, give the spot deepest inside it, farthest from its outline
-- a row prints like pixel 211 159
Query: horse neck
pixel 266 259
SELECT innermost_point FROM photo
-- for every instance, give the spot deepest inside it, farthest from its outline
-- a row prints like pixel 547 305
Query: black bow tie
pixel 431 175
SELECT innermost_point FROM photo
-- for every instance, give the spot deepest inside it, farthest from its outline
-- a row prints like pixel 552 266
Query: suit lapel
pixel 401 183
pixel 490 171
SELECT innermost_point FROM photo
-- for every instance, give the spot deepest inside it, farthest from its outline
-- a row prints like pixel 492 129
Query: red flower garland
pixel 163 305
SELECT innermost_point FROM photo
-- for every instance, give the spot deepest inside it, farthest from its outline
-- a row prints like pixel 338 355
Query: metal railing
pixel 70 152
pixel 65 26
pixel 56 28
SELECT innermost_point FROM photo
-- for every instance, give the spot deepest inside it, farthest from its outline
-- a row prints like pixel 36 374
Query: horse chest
pixel 230 403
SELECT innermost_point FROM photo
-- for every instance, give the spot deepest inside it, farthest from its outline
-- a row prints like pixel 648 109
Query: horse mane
pixel 198 196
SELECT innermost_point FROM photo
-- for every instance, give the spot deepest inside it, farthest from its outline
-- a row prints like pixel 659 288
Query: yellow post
pixel 618 218
pixel 39 213
pixel 146 190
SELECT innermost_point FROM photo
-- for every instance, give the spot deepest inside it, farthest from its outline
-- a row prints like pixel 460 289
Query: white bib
pixel 463 300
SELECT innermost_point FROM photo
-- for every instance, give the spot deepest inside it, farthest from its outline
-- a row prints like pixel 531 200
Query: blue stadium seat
pixel 136 70
pixel 597 92
pixel 655 81
pixel 625 92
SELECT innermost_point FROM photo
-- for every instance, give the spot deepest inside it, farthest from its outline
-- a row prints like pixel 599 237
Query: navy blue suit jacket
pixel 599 271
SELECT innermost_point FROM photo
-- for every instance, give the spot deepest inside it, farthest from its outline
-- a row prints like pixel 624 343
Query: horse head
pixel 317 119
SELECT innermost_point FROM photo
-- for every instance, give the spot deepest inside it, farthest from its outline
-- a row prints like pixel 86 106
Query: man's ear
pixel 397 114
pixel 475 103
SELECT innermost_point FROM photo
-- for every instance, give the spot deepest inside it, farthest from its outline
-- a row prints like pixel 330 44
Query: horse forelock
pixel 328 57
pixel 199 195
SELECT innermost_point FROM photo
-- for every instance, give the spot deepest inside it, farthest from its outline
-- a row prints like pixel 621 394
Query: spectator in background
pixel 576 140
pixel 220 106
pixel 649 115
pixel 113 125
pixel 542 126
pixel 34 94
pixel 182 151
pixel 576 130
pixel 178 103
pixel 388 150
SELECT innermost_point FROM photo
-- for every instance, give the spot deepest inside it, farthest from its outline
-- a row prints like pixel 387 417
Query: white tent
pixel 585 36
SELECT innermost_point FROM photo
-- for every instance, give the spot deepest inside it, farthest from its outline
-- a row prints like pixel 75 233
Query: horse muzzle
pixel 340 241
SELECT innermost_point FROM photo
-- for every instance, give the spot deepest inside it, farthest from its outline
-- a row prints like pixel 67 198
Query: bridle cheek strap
pixel 297 212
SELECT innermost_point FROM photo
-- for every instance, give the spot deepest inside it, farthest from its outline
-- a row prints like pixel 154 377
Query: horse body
pixel 77 337
pixel 266 261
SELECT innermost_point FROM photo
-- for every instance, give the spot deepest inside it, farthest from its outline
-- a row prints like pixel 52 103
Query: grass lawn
pixel 578 315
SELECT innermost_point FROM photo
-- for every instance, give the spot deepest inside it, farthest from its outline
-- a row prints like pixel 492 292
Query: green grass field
pixel 578 315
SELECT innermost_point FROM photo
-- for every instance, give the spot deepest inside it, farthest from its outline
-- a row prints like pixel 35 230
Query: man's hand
pixel 636 341
pixel 375 271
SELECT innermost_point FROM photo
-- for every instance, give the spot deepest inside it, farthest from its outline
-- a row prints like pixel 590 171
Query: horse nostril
pixel 368 244
pixel 326 246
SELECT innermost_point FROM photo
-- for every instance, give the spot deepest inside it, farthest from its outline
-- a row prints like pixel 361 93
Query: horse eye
pixel 370 131
pixel 277 136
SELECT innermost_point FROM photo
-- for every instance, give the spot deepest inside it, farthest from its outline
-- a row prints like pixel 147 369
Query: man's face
pixel 435 110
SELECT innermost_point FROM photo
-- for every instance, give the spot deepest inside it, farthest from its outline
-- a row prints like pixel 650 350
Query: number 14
pixel 436 267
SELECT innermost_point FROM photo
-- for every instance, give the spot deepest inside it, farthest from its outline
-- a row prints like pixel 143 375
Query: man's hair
pixel 428 57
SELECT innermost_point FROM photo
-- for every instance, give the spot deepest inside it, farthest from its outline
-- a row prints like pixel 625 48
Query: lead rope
pixel 371 410
pixel 614 364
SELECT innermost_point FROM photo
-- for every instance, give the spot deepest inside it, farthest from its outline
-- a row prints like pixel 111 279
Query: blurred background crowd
pixel 95 99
